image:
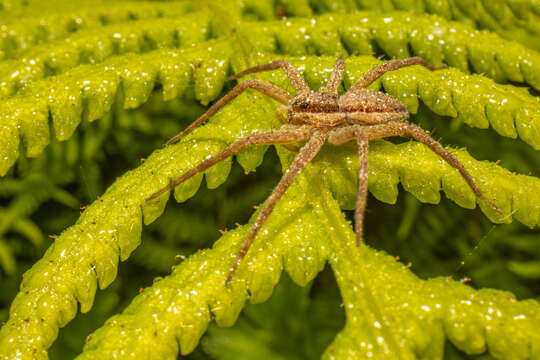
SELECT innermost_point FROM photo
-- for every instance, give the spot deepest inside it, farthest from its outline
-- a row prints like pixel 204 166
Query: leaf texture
pixel 97 45
pixel 25 117
pixel 400 35
pixel 88 92
pixel 89 61
pixel 88 253
pixel 513 20
pixel 176 310
pixel 23 32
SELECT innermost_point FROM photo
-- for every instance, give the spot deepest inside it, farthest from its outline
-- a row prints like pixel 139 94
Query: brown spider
pixel 322 116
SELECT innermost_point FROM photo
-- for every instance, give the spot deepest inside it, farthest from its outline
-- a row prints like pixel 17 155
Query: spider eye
pixel 304 105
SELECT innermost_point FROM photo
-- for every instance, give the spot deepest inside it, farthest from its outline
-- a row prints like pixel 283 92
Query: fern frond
pixel 87 93
pixel 15 218
pixel 89 99
pixel 393 314
pixel 398 35
pixel 33 191
pixel 154 255
pixel 308 228
pixel 390 312
pixel 30 230
pixel 515 20
pixel 89 251
pixel 97 45
pixel 27 31
pixel 423 174
pixel 7 259
pixel 527 269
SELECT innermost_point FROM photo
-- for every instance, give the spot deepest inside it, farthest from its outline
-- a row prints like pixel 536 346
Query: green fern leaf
pixel 390 312
pixel 95 46
pixel 7 260
pixel 91 100
pixel 75 95
pixel 185 301
pixel 97 240
pixel 513 20
pixel 32 29
pixel 530 269
pixel 399 35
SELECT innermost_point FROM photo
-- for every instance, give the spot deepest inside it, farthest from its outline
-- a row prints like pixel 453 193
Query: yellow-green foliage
pixel 61 72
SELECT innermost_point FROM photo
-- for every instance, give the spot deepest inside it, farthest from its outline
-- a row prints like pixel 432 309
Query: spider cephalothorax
pixel 318 117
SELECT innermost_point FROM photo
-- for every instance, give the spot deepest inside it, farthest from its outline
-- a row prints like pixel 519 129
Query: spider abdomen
pixel 318 119
pixel 370 102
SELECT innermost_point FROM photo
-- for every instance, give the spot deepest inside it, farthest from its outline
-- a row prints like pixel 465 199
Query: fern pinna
pixel 70 79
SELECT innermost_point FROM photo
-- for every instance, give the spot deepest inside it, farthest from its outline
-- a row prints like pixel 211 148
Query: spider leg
pixel 290 147
pixel 379 71
pixel 266 88
pixel 281 136
pixel 343 135
pixel 401 128
pixel 292 73
pixel 335 79
pixel 304 156
pixel 361 197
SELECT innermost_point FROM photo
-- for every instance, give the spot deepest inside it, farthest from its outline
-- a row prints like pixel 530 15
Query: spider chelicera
pixel 318 117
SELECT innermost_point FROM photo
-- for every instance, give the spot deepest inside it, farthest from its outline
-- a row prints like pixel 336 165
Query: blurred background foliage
pixel 44 195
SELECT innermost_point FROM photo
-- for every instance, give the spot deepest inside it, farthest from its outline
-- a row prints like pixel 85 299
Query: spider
pixel 318 117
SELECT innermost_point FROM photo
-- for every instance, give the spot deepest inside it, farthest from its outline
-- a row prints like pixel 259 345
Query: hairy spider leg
pixel 292 73
pixel 394 128
pixel 335 78
pixel 400 129
pixel 266 88
pixel 304 156
pixel 361 197
pixel 381 69
pixel 272 137
pixel 345 134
